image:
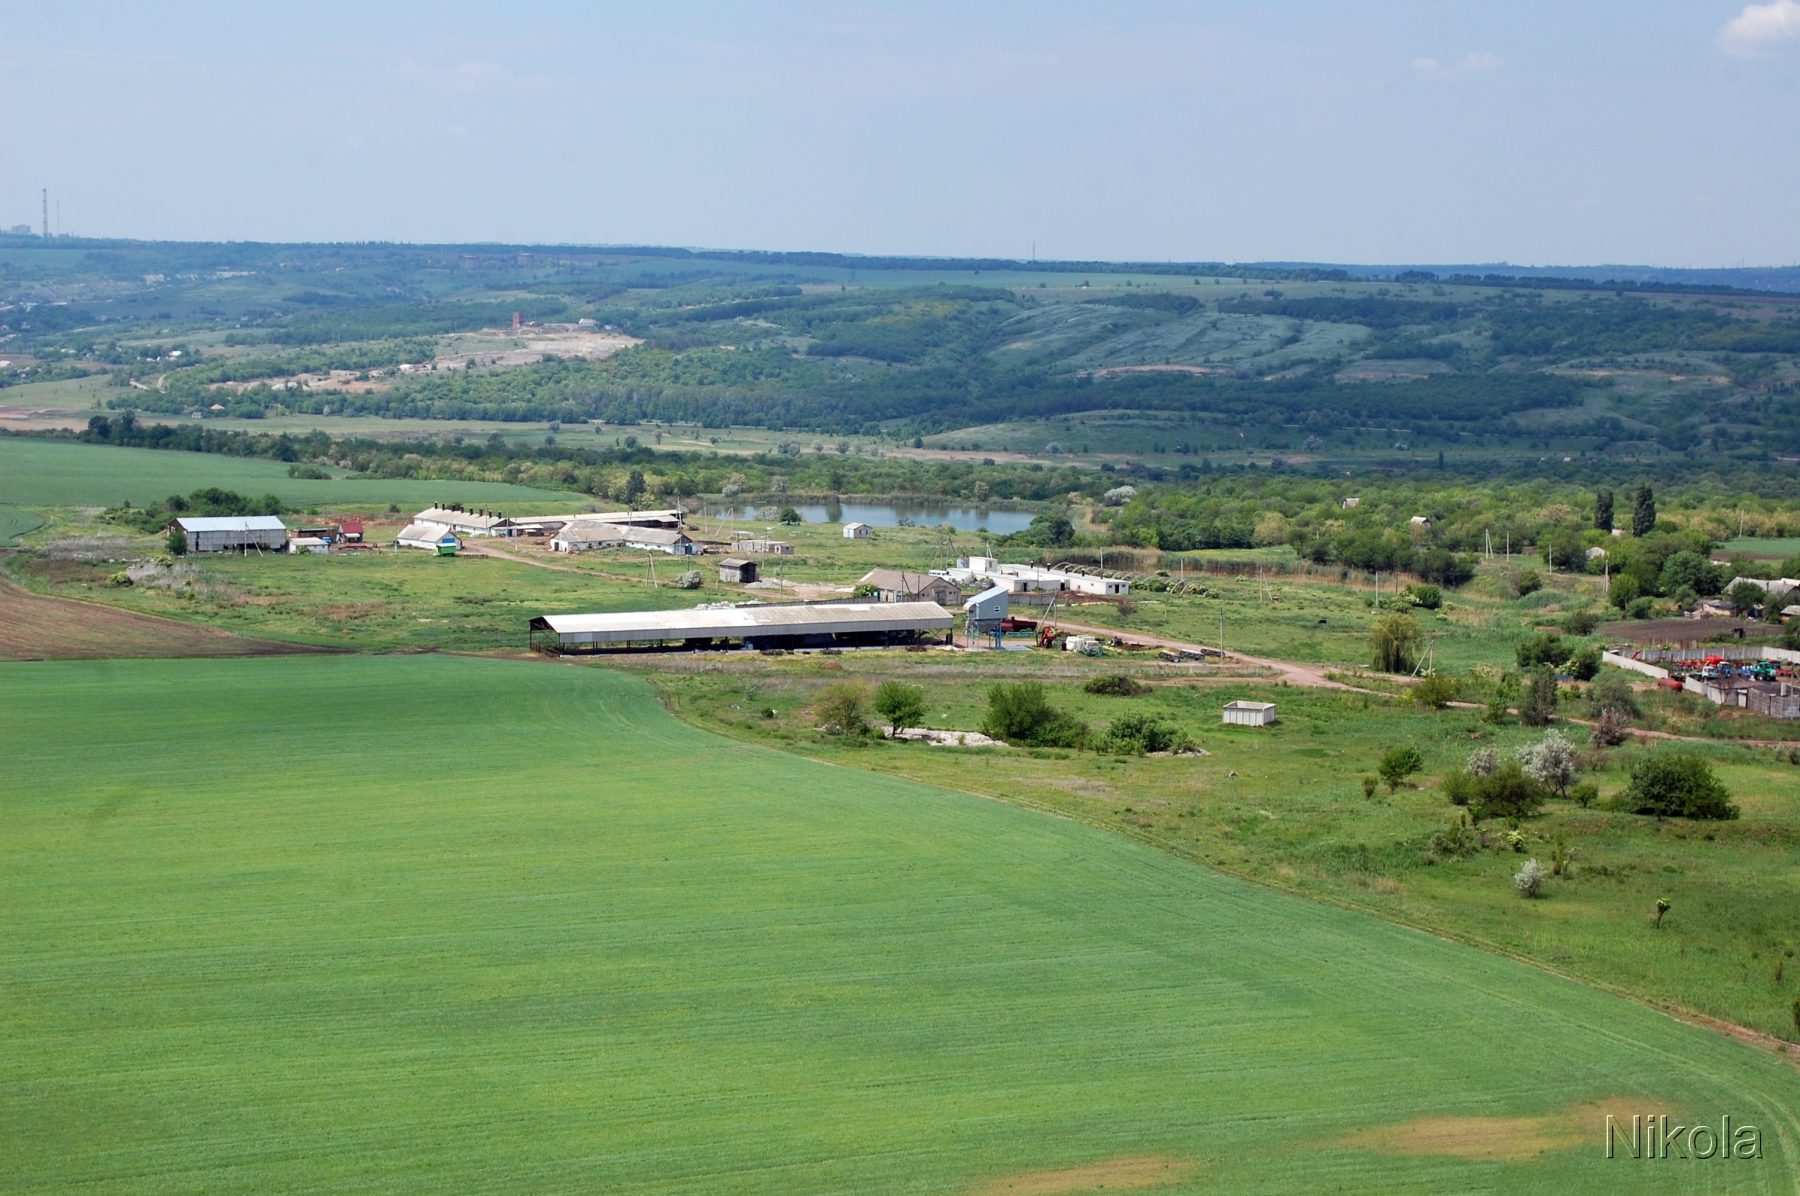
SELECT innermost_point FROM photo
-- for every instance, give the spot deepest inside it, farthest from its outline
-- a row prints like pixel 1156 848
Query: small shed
pixel 904 585
pixel 1351 503
pixel 1249 714
pixel 352 530
pixel 990 606
pixel 857 531
pixel 737 569
pixel 1421 522
pixel 318 544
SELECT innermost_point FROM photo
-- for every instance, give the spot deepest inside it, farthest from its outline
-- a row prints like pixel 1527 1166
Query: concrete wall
pixel 1635 666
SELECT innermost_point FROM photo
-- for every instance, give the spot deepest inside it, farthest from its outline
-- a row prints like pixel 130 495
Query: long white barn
pixel 817 625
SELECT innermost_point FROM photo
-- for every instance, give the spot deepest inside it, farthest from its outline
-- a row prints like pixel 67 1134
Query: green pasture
pixel 55 473
pixel 1782 547
pixel 383 923
pixel 1285 804
pixel 15 522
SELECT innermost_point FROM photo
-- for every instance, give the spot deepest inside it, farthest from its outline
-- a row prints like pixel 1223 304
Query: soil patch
pixel 1135 1173
pixel 36 627
pixel 1501 1139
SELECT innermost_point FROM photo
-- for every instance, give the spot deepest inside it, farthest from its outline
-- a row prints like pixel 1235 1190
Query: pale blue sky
pixel 1656 131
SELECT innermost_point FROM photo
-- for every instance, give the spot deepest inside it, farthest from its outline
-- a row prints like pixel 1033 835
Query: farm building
pixel 1030 579
pixel 822 625
pixel 582 535
pixel 464 522
pixel 857 531
pixel 316 544
pixel 1420 522
pixel 233 533
pixel 1790 612
pixel 988 607
pixel 1351 503
pixel 764 547
pixel 431 537
pixel 1249 714
pixel 545 525
pixel 352 531
pixel 901 585
pixel 737 570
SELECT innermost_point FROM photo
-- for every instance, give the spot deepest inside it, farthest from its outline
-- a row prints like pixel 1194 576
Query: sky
pixel 1537 132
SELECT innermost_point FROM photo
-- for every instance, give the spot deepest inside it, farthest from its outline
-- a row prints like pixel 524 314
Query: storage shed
pixel 234 533
pixel 904 585
pixel 316 544
pixel 737 570
pixel 857 531
pixel 1249 714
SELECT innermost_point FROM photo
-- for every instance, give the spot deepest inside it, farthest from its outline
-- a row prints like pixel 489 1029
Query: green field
pixel 391 923
pixel 52 473
pixel 1789 546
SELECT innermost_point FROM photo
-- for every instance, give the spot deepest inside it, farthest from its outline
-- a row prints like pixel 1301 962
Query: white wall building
pixel 1031 579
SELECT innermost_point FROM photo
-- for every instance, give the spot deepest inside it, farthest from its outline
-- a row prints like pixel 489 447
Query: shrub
pixel 1547 648
pixel 1504 793
pixel 177 542
pixel 842 709
pixel 1585 794
pixel 1500 701
pixel 1538 706
pixel 1435 692
pixel 1394 643
pixel 1116 685
pixel 1482 762
pixel 1663 907
pixel 1527 582
pixel 1020 712
pixel 1641 608
pixel 1612 690
pixel 1550 762
pixel 1140 734
pixel 1529 879
pixel 1585 664
pixel 902 705
pixel 1456 841
pixel 1580 622
pixel 1563 857
pixel 1611 728
pixel 690 580
pixel 1398 763
pixel 1369 784
pixel 1677 785
pixel 1429 597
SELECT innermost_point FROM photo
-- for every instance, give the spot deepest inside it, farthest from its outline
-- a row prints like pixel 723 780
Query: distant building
pixel 1596 553
pixel 900 585
pixel 585 534
pixel 1249 714
pixel 465 522
pixel 430 537
pixel 315 544
pixel 737 570
pixel 352 531
pixel 857 531
pixel 765 547
pixel 1030 579
pixel 986 609
pixel 233 533
pixel 1350 504
pixel 1421 522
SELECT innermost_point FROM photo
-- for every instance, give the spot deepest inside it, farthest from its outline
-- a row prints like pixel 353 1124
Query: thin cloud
pixel 471 78
pixel 1762 29
pixel 1449 72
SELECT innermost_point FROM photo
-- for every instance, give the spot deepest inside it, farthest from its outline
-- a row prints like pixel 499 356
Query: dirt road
pixel 1308 676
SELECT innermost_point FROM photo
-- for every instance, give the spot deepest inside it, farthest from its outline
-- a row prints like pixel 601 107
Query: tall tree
pixel 1643 511
pixel 1603 510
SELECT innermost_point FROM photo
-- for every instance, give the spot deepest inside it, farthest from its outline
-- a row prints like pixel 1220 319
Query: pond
pixel 923 514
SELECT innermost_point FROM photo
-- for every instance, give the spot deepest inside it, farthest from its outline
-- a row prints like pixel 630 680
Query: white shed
pixel 308 544
pixel 857 531
pixel 1249 714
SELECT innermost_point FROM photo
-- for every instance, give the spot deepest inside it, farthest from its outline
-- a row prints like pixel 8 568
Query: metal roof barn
pixel 232 533
pixel 821 624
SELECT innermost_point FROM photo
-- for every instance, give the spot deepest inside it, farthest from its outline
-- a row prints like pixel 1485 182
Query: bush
pixel 1394 643
pixel 1398 763
pixel 1369 785
pixel 1612 690
pixel 1585 664
pixel 1139 735
pixel 1020 712
pixel 177 542
pixel 1435 692
pixel 1116 685
pixel 1585 794
pixel 1611 728
pixel 1547 648
pixel 1456 841
pixel 1482 762
pixel 1677 785
pixel 1527 582
pixel 1429 597
pixel 1529 879
pixel 1581 622
pixel 902 705
pixel 842 709
pixel 1550 762
pixel 1538 706
pixel 690 580
pixel 1641 608
pixel 1507 792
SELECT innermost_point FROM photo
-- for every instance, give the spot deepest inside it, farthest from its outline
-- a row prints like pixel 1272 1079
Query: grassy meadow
pixel 1285 805
pixel 297 930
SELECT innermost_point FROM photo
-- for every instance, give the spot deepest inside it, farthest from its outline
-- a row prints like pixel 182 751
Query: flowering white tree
pixel 1550 762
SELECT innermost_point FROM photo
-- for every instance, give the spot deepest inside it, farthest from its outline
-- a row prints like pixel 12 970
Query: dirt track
pixel 35 627
pixel 1307 676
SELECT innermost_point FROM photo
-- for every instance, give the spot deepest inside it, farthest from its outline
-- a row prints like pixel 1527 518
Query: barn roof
pixel 459 518
pixel 424 531
pixel 232 523
pixel 902 581
pixel 735 562
pixel 818 619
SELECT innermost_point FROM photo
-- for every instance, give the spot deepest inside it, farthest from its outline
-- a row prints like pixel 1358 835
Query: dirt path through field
pixel 1307 676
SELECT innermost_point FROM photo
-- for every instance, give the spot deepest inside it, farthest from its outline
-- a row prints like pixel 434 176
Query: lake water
pixel 963 519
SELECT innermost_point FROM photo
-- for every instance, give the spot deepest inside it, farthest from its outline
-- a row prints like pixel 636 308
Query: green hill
pixel 385 923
